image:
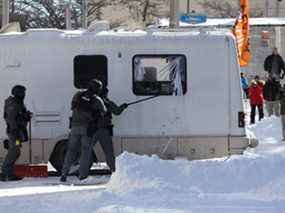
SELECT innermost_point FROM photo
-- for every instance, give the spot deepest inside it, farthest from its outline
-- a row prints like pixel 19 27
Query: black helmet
pixel 95 86
pixel 19 91
pixel 104 92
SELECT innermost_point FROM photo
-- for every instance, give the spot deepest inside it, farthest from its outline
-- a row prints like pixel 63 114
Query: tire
pixel 57 156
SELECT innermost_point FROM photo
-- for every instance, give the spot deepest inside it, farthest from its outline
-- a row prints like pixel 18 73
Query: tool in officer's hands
pixel 141 100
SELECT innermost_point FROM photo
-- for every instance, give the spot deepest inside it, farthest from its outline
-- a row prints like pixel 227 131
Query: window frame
pixel 157 56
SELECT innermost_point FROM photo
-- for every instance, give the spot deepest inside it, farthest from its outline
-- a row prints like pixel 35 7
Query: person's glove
pixel 6 144
pixel 124 105
pixel 28 116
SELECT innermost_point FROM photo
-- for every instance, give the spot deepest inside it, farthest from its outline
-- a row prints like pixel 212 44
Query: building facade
pixel 262 41
pixel 270 7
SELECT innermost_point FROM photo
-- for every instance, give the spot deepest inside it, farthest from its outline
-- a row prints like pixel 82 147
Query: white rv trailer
pixel 195 73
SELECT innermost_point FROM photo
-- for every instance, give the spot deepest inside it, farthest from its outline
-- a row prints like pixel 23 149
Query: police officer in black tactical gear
pixel 86 107
pixel 17 118
pixel 104 128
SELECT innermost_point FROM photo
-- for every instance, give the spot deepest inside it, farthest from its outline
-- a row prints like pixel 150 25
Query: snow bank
pixel 253 182
pixel 253 172
pixel 237 174
pixel 268 131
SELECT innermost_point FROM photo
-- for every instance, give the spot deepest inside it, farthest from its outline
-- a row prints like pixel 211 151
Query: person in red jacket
pixel 256 100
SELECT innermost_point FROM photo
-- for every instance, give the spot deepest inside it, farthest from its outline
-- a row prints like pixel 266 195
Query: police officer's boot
pixel 10 178
pixel 62 178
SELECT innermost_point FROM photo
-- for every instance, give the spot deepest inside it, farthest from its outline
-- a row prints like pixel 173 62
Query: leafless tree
pixel 94 9
pixel 143 9
pixel 51 13
pixel 225 9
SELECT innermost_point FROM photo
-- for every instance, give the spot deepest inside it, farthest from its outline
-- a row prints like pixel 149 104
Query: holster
pixel 21 134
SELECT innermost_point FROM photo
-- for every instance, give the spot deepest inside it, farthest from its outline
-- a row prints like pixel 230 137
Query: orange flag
pixel 241 32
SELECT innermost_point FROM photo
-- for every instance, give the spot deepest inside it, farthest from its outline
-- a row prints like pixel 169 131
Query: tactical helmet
pixel 95 86
pixel 19 91
pixel 104 92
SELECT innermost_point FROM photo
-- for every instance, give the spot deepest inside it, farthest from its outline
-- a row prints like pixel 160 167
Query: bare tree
pixel 143 9
pixel 51 13
pixel 225 9
pixel 94 9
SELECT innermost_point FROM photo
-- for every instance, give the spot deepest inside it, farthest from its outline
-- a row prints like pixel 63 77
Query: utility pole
pixel 68 15
pixel 174 14
pixel 5 12
pixel 277 8
pixel 84 14
pixel 188 6
pixel 266 8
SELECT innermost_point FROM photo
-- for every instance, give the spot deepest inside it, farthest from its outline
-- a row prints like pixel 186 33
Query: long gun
pixel 142 100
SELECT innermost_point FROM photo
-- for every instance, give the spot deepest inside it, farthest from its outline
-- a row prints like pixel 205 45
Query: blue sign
pixel 193 19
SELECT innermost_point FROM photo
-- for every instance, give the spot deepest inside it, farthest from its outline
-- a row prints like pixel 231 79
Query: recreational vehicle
pixel 197 111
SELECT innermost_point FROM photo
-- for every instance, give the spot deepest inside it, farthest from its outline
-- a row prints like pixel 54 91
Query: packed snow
pixel 250 183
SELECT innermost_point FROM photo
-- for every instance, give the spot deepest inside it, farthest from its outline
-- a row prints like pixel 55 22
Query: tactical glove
pixel 6 144
pixel 124 105
pixel 28 116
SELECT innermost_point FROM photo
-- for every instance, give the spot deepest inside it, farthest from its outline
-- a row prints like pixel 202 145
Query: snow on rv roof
pixel 227 22
pixel 150 33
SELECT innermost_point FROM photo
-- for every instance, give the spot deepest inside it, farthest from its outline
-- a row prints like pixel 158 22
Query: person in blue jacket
pixel 244 84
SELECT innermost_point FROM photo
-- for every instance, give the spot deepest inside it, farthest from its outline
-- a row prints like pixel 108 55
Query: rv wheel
pixel 58 154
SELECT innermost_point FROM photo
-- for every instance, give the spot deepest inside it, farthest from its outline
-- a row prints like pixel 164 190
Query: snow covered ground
pixel 250 183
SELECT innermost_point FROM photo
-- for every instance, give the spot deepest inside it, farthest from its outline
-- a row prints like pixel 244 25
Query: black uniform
pixel 83 107
pixel 104 130
pixel 274 65
pixel 16 117
pixel 86 107
pixel 271 90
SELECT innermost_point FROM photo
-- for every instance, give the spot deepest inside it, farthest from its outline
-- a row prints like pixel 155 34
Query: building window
pixel 159 75
pixel 88 67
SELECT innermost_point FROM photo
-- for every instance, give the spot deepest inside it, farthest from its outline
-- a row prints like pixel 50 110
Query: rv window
pixel 87 67
pixel 159 75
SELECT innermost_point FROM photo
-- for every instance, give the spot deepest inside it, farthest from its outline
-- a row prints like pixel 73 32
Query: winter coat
pixel 269 61
pixel 271 90
pixel 255 95
pixel 112 108
pixel 244 83
pixel 16 117
pixel 84 108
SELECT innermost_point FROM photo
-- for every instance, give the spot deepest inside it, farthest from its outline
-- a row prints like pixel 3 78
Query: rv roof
pixel 152 33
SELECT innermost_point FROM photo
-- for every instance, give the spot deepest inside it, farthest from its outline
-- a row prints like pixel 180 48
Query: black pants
pixel 252 113
pixel 246 93
pixel 105 139
pixel 13 154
